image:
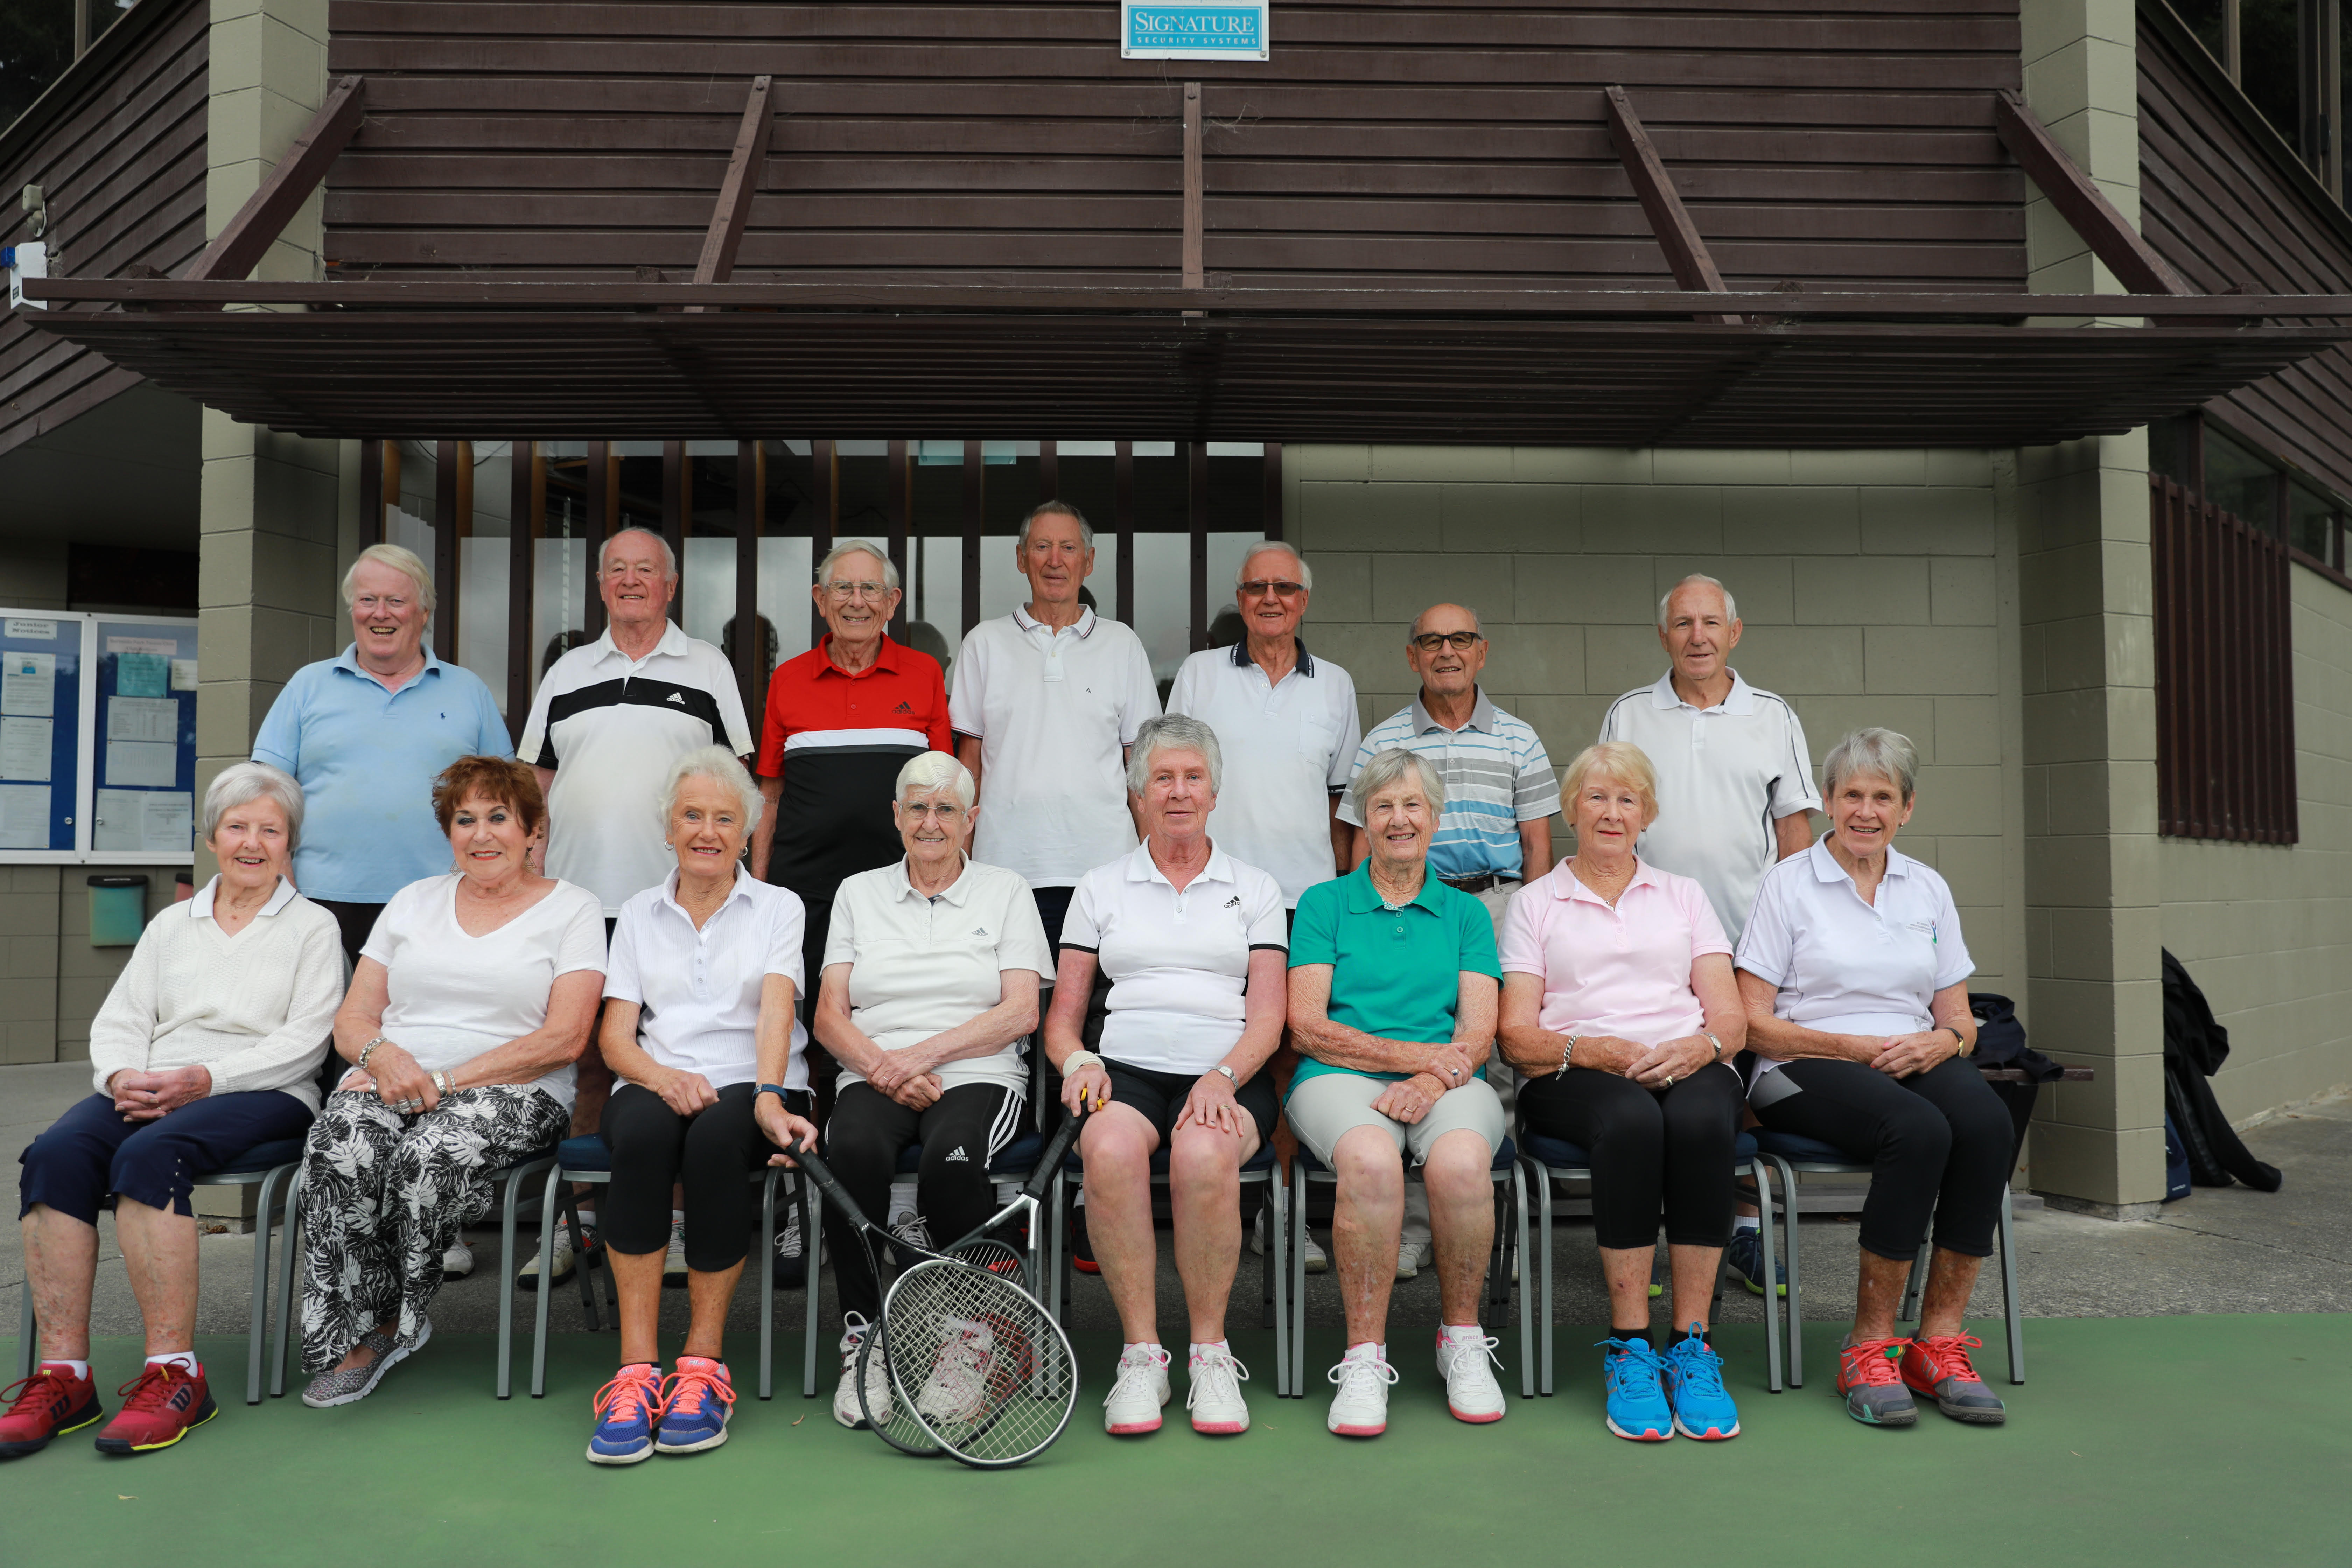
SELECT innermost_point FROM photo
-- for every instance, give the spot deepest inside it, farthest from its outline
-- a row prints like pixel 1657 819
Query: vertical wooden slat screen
pixel 825 472
pixel 901 504
pixel 1197 509
pixel 1273 490
pixel 2225 673
pixel 371 493
pixel 1123 520
pixel 974 502
pixel 677 506
pixel 750 518
pixel 526 501
pixel 597 476
pixel 450 460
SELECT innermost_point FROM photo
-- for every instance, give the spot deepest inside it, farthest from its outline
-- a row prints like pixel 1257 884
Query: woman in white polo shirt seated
pixel 1855 980
pixel 931 972
pixel 1195 944
pixel 712 1062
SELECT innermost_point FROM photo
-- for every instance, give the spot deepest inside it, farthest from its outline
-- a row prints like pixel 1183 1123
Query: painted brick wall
pixel 52 982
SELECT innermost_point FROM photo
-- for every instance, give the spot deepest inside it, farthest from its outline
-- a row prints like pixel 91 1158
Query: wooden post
pixel 750 521
pixel 725 235
pixel 2108 232
pixel 240 247
pixel 371 493
pixel 1195 275
pixel 826 467
pixel 974 509
pixel 900 504
pixel 1196 491
pixel 1273 490
pixel 1049 470
pixel 1687 253
pixel 677 506
pixel 448 526
pixel 597 476
pixel 1123 515
pixel 526 501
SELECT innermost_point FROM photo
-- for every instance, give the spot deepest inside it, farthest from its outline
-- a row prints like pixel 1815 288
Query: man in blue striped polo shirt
pixel 1501 794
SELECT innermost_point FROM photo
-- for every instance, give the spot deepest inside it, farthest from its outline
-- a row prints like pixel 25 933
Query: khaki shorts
pixel 1327 1107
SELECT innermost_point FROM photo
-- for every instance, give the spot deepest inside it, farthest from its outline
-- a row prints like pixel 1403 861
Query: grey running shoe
pixel 356 1382
pixel 1937 1366
pixel 1870 1375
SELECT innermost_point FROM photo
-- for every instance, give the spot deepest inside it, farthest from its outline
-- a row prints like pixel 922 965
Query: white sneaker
pixel 1132 1406
pixel 915 1232
pixel 956 1389
pixel 1471 1391
pixel 1360 1407
pixel 846 1408
pixel 458 1261
pixel 674 1262
pixel 1216 1397
pixel 1411 1256
pixel 1316 1259
pixel 528 1276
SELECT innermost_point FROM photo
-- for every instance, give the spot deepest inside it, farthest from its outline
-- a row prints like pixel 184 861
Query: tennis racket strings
pixel 980 1362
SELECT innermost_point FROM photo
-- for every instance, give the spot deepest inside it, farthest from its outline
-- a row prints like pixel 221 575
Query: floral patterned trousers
pixel 385 1196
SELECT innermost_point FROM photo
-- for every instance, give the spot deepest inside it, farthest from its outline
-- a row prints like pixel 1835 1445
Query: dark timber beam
pixel 257 225
pixel 1194 273
pixel 1687 253
pixel 735 193
pixel 2082 204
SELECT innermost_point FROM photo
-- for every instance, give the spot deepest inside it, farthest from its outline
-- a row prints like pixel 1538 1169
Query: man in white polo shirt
pixel 1046 702
pixel 610 718
pixel 1735 782
pixel 1287 723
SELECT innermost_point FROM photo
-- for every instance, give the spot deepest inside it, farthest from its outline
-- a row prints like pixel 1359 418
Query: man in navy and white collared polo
pixel 1735 784
pixel 1500 794
pixel 1286 721
pixel 1044 703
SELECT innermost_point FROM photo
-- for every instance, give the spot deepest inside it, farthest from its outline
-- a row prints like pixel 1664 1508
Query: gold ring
pixel 1670 1081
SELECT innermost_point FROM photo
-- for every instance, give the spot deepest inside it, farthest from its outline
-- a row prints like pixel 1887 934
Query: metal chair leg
pixel 1297 1325
pixel 551 1192
pixel 1544 1197
pixel 1792 1232
pixel 286 1286
pixel 767 1285
pixel 265 1202
pixel 581 1272
pixel 1526 1273
pixel 513 1176
pixel 1771 1274
pixel 29 1336
pixel 1914 1284
pixel 812 1228
pixel 2012 1310
pixel 1277 1268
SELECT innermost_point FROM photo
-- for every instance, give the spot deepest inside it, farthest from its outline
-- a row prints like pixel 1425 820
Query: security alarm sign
pixel 1151 30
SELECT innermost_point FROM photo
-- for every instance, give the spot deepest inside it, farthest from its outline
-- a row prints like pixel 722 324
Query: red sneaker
pixel 51 1402
pixel 1871 1377
pixel 1938 1367
pixel 158 1406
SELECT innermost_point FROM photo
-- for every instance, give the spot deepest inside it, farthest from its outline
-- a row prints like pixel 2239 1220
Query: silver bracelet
pixel 1711 1040
pixel 368 1050
pixel 1567 1055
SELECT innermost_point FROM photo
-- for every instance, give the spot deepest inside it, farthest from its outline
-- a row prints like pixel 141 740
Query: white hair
pixel 400 559
pixel 932 772
pixel 1871 754
pixel 720 765
pixel 670 556
pixel 1057 509
pixel 848 547
pixel 242 784
pixel 1698 579
pixel 1388 767
pixel 1174 732
pixel 1298 562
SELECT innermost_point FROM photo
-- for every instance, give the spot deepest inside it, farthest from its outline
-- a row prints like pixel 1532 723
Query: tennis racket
pixel 976 1367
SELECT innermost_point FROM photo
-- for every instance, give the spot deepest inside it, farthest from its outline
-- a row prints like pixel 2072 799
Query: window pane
pixel 2310 520
pixel 2269 33
pixel 2168 449
pixel 2204 19
pixel 2238 482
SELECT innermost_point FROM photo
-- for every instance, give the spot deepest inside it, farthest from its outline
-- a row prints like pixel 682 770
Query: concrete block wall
pixel 2263 929
pixel 52 982
pixel 1875 588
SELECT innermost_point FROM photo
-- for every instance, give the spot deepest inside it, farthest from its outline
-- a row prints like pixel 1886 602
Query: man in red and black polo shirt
pixel 842 719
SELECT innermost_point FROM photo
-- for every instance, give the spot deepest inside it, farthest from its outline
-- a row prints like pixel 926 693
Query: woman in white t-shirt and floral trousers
pixel 473 998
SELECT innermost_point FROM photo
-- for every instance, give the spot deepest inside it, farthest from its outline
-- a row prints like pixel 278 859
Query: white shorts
pixel 1328 1106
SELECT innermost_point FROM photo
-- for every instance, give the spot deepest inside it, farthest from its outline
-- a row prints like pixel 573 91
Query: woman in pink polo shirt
pixel 1620 1014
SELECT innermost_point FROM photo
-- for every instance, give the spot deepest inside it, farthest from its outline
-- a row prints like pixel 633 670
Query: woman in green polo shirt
pixel 1394 996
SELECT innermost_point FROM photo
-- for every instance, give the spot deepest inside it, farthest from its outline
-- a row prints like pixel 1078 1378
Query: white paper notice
pixel 168 826
pixel 32 631
pixel 25 749
pixel 168 647
pixel 24 816
pixel 141 762
pixel 28 684
pixel 183 675
pixel 136 819
pixel 155 719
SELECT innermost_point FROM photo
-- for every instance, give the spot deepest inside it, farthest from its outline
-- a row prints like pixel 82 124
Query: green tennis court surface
pixel 2143 1441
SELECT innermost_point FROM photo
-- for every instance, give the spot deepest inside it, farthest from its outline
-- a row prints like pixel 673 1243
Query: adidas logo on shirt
pixel 678 697
pixel 980 930
pixel 904 708
pixel 958 1156
pixel 1234 903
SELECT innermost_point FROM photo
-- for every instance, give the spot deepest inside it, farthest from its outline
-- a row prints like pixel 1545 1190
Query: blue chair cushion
pixel 1559 1154
pixel 588 1151
pixel 1505 1158
pixel 1795 1146
pixel 263 1157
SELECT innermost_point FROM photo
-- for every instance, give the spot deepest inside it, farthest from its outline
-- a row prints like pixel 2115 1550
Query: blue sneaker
pixel 1745 1255
pixel 626 1409
pixel 1637 1398
pixel 1695 1384
pixel 695 1401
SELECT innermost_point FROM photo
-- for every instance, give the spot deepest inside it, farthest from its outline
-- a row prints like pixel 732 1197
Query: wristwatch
pixel 779 1090
pixel 1959 1038
pixel 1231 1076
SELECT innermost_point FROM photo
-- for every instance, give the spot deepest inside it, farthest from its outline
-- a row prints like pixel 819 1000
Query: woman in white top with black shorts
pixel 473 999
pixel 1195 945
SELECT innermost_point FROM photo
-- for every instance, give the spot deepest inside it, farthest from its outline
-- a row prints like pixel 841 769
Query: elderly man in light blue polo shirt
pixel 365 734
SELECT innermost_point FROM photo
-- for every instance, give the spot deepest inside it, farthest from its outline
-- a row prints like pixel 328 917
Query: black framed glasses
pixel 1460 642
pixel 1259 587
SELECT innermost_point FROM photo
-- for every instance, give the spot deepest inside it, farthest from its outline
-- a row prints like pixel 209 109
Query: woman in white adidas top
pixel 931 972
pixel 1195 944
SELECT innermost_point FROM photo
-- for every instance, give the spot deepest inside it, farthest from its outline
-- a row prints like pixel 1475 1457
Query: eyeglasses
pixel 857 590
pixel 1460 642
pixel 945 811
pixel 1260 587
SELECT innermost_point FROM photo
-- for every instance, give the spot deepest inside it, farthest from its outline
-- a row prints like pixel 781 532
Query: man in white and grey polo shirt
pixel 1044 703
pixel 1287 723
pixel 1734 782
pixel 1501 794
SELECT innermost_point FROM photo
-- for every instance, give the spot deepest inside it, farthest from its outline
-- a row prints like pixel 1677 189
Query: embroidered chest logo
pixel 1234 903
pixel 980 930
pixel 676 696
pixel 904 708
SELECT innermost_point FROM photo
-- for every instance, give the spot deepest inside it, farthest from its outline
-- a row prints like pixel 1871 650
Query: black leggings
pixel 1653 1152
pixel 1939 1142
pixel 961 1132
pixel 714 1150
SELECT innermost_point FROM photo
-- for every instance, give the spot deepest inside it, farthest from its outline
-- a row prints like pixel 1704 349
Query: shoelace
pixel 1454 1349
pixel 1132 1365
pixel 1877 1361
pixel 631 1384
pixel 1949 1354
pixel 151 1387
pixel 1626 1356
pixel 1220 1370
pixel 1361 1369
pixel 43 1386
pixel 1696 1365
pixel 854 1330
pixel 686 1391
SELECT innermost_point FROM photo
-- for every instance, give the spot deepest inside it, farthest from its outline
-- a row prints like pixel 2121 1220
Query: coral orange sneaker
pixel 1871 1377
pixel 159 1407
pixel 1937 1366
pixel 697 1399
pixel 49 1404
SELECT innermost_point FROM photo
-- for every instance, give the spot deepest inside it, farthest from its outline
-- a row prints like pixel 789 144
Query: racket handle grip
pixel 1057 1149
pixel 810 1161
